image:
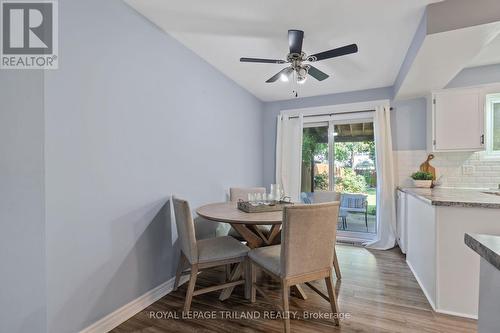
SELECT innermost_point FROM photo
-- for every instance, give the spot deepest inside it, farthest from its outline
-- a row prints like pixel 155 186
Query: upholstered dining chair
pixel 206 253
pixel 241 193
pixel 301 258
pixel 322 197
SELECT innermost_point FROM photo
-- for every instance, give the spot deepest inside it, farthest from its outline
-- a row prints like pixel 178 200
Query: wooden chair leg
pixel 285 291
pixel 333 298
pixel 180 269
pixel 336 264
pixel 298 292
pixel 235 275
pixel 253 281
pixel 190 290
pixel 248 278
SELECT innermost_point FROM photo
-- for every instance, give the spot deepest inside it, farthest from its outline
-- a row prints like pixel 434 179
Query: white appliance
pixel 401 221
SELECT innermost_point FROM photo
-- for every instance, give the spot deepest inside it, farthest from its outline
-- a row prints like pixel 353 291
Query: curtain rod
pixel 334 113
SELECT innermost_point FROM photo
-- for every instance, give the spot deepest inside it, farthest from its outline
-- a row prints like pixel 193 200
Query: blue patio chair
pixel 353 203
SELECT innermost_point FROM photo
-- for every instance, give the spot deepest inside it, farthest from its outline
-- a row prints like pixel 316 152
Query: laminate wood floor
pixel 377 290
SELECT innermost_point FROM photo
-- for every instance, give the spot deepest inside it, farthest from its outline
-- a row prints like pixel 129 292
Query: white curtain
pixel 386 206
pixel 289 154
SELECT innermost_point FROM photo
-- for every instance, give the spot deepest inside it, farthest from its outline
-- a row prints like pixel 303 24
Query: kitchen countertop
pixel 487 246
pixel 441 196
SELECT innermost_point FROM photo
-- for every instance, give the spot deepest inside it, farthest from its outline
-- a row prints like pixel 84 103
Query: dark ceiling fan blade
pixel 295 38
pixel 316 73
pixel 285 71
pixel 265 61
pixel 340 51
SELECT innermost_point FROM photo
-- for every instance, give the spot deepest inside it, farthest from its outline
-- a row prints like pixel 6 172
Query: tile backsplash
pixel 461 169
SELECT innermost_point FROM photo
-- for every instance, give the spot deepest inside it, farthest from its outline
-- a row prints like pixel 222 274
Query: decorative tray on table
pixel 271 206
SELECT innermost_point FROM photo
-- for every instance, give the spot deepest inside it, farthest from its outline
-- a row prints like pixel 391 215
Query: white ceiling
pixel 489 55
pixel 222 31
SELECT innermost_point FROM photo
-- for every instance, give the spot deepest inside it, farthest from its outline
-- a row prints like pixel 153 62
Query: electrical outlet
pixel 467 170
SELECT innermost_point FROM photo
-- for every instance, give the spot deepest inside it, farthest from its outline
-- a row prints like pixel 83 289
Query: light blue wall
pixel 22 237
pixel 408 124
pixel 132 116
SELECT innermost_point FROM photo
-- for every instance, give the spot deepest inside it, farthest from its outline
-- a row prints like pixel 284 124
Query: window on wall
pixel 493 124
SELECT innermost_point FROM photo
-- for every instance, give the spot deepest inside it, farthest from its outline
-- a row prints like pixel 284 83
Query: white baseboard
pixel 429 299
pixel 456 314
pixel 130 309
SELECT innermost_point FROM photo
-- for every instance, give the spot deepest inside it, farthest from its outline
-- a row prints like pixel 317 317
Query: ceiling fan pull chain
pixel 296 83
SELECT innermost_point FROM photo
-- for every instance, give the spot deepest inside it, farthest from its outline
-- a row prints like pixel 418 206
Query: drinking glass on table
pixel 258 198
pixel 276 191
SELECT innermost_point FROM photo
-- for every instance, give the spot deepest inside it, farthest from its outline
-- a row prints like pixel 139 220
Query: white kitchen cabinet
pixel 444 267
pixel 456 120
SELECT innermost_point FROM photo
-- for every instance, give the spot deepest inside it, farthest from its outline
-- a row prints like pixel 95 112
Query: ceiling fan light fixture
pixel 284 77
pixel 302 75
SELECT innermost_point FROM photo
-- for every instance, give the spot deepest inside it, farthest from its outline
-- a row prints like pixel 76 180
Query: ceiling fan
pixel 296 59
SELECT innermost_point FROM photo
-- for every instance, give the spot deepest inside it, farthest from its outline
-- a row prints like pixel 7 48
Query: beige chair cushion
pixel 267 257
pixel 220 248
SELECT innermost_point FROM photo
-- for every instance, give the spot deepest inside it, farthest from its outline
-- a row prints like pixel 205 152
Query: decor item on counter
pixel 422 179
pixel 427 167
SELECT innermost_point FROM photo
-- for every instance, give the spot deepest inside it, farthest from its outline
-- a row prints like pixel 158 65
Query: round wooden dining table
pixel 246 224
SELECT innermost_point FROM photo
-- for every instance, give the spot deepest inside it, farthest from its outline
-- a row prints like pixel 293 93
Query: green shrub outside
pixel 350 182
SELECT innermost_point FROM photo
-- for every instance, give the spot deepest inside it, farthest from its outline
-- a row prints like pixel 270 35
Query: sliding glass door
pixel 338 163
pixel 315 159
